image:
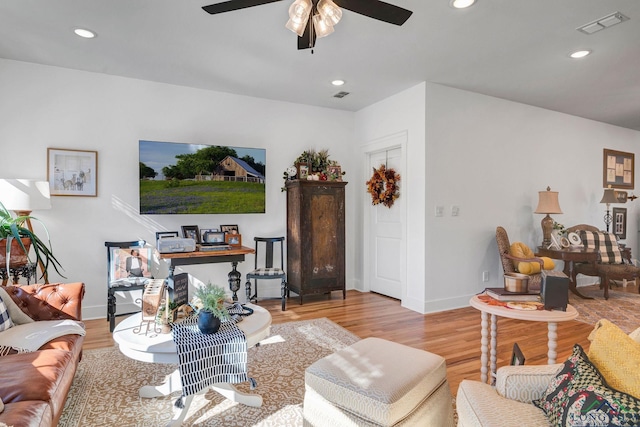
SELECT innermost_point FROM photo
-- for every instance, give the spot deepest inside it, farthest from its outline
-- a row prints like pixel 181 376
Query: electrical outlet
pixel 439 210
pixel 485 276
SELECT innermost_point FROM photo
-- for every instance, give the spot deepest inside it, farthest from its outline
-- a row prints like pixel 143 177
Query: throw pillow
pixel 617 357
pixel 5 319
pixel 605 243
pixel 520 250
pixel 18 317
pixel 579 396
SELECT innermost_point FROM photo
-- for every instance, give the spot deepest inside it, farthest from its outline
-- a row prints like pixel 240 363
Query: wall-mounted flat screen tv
pixel 201 179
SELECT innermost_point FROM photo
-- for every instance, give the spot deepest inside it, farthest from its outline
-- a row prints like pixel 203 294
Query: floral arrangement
pixel 320 167
pixel 383 186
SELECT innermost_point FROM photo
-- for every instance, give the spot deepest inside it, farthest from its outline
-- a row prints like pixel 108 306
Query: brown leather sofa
pixel 34 386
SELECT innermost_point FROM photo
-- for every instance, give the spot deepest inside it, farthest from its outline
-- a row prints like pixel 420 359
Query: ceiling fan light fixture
pixel 330 12
pixel 299 12
pixel 320 26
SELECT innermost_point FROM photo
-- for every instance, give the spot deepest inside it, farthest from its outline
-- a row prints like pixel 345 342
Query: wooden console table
pixel 571 256
pixel 233 255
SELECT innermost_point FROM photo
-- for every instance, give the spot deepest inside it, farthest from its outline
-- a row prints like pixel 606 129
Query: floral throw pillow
pixel 579 396
pixel 5 320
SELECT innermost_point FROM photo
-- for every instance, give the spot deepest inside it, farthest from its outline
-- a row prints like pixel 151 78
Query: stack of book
pixel 501 294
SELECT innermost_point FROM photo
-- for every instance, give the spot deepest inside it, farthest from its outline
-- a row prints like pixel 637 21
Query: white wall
pixel 45 106
pixel 489 157
pixel 403 112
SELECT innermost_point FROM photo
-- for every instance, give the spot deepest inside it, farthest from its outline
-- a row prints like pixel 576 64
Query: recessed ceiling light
pixel 461 4
pixel 84 33
pixel 338 82
pixel 579 54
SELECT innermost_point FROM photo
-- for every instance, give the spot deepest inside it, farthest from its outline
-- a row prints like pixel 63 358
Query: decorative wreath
pixel 383 186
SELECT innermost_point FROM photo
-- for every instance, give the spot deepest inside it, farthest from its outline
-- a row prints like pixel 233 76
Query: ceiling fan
pixel 312 19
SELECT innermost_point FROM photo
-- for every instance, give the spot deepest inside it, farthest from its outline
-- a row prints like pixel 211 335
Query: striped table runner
pixel 207 359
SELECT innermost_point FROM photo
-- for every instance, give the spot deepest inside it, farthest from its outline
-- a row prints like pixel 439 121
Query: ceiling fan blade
pixel 377 10
pixel 228 6
pixel 307 40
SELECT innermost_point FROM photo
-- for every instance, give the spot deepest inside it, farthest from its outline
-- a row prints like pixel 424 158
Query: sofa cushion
pixel 5 319
pixel 617 357
pixel 578 395
pixel 605 243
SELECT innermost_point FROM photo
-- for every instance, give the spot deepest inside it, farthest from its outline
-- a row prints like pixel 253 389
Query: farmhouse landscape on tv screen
pixel 201 179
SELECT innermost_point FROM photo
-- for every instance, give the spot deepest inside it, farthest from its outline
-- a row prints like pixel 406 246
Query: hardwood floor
pixel 453 334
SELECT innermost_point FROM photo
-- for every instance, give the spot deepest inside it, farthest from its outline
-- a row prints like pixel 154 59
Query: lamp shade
pixel 609 196
pixel 548 202
pixel 24 194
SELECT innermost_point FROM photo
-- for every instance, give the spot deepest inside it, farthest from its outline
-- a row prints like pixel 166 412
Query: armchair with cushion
pixel 614 263
pixel 602 388
pixel 519 258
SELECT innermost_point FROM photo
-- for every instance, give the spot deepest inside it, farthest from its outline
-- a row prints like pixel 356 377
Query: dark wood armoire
pixel 315 237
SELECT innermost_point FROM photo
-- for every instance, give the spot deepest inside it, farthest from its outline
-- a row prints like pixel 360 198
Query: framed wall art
pixel 620 223
pixel 618 169
pixel 72 172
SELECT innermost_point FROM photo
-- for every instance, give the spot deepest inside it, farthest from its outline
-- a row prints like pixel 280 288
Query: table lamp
pixel 547 204
pixel 24 196
pixel 609 197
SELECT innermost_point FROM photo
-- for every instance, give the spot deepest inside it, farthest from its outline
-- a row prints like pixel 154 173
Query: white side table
pixel 160 348
pixel 552 318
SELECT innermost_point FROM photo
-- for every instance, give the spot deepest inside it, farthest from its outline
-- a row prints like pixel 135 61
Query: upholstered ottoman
pixel 376 382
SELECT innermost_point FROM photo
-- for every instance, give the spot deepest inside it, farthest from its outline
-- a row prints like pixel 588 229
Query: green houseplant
pixel 211 309
pixel 12 228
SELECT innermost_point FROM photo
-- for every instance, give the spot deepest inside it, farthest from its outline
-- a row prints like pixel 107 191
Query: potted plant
pixel 14 236
pixel 211 309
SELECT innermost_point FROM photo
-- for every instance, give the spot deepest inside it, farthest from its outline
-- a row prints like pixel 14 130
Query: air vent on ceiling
pixel 341 94
pixel 602 23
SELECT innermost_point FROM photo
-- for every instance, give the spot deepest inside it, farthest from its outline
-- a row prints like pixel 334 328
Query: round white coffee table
pixel 552 317
pixel 160 348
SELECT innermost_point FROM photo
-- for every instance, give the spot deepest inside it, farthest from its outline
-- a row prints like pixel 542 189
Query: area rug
pixel 105 388
pixel 622 308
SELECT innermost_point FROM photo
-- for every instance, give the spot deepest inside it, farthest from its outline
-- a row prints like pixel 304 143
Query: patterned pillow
pixel 605 243
pixel 579 396
pixel 5 320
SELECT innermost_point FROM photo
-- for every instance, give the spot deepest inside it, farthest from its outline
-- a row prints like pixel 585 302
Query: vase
pixel 208 323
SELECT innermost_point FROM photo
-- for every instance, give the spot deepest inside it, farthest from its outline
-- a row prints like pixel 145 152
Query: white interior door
pixel 386 241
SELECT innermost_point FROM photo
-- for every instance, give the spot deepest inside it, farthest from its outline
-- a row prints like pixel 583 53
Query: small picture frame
pixel 191 232
pixel 303 170
pixel 72 172
pixel 233 239
pixel 335 173
pixel 213 237
pixel 205 232
pixel 517 358
pixel 229 228
pixel 620 223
